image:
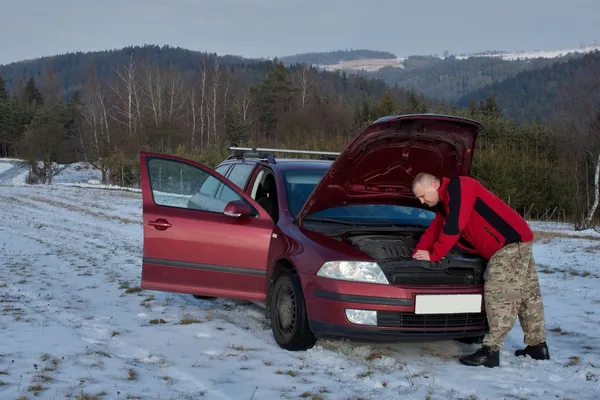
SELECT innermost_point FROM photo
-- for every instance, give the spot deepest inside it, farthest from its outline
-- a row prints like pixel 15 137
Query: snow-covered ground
pixel 73 322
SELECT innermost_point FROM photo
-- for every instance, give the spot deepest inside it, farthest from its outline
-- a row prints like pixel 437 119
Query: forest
pixel 546 169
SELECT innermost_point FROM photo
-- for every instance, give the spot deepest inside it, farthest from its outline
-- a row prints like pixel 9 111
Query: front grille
pixel 411 320
pixel 403 272
pixel 424 277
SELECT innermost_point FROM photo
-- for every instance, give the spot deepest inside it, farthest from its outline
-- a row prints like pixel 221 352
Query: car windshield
pixel 300 184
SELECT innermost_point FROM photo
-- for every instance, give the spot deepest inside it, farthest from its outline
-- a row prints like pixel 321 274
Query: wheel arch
pixel 280 265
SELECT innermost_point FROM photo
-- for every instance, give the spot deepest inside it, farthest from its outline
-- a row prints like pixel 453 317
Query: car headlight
pixel 359 271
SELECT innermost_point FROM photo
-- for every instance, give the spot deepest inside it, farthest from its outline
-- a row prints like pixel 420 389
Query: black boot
pixel 537 352
pixel 484 356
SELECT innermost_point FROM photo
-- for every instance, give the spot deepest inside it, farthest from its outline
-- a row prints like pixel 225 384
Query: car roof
pixel 284 164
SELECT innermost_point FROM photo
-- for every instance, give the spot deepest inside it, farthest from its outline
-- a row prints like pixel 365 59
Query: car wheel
pixel 197 296
pixel 470 340
pixel 289 319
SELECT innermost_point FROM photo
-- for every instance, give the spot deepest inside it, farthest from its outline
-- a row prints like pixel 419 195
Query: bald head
pixel 425 187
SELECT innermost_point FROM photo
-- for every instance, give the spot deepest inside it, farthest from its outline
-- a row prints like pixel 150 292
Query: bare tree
pixel 304 83
pixel 583 118
pixel 95 134
pixel 215 89
pixel 127 109
pixel 203 74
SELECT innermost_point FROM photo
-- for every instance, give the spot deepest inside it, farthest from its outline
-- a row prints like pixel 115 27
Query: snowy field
pixel 75 325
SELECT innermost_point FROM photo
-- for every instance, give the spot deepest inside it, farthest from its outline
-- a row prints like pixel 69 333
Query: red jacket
pixel 471 213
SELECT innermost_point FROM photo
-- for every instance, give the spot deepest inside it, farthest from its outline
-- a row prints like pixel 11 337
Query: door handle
pixel 161 224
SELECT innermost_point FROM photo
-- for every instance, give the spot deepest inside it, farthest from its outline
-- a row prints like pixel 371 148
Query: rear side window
pixel 222 169
pixel 240 173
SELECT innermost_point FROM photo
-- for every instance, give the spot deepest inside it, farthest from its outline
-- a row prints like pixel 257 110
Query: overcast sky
pixel 269 28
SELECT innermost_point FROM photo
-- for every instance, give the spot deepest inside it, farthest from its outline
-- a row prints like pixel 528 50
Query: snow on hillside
pixel 74 322
pixel 375 64
pixel 366 64
pixel 515 55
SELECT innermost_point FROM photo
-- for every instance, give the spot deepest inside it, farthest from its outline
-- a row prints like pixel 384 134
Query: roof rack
pixel 268 153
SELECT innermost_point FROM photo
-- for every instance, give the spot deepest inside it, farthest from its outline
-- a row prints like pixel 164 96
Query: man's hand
pixel 422 255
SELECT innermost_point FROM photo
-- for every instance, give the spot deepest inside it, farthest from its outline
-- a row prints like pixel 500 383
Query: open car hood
pixel 379 165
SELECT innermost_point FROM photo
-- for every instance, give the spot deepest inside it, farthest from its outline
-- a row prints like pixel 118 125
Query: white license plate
pixel 447 303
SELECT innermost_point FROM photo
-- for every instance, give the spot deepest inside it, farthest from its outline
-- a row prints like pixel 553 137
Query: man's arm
pixel 431 233
pixel 462 197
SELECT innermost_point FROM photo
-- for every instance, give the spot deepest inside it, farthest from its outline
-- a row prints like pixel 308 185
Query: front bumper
pixel 327 301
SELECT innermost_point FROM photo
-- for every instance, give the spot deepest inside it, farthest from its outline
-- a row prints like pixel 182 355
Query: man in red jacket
pixel 473 218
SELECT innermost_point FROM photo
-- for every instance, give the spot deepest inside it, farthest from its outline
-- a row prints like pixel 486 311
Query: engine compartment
pixel 393 250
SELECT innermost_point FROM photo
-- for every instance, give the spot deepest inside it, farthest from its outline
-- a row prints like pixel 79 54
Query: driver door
pixel 190 245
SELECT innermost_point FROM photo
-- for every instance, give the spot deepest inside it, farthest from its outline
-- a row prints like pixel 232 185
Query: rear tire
pixel 289 318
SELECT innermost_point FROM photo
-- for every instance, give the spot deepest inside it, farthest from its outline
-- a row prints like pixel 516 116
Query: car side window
pixel 182 185
pixel 222 169
pixel 240 173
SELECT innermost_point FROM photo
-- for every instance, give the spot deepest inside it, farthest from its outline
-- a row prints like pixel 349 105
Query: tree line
pixel 544 170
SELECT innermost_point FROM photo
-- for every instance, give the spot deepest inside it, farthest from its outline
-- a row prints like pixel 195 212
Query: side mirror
pixel 237 209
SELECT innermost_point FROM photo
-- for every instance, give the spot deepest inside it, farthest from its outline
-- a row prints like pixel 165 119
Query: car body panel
pixel 379 165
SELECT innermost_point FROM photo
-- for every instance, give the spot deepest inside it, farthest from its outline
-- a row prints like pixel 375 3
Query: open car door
pixel 202 234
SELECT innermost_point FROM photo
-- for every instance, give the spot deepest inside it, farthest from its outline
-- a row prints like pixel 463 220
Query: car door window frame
pixel 220 185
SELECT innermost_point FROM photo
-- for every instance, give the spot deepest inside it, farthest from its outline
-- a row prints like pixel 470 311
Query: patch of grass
pixel 288 372
pixel 373 356
pixel 268 363
pixel 189 319
pixel 52 363
pixel 592 249
pixel 573 360
pixel 156 321
pixel 115 333
pixel 438 353
pixel 558 330
pixel 103 353
pixel 131 376
pixel 87 396
pixel 306 395
pixel 36 389
pixel 123 285
pixel 546 236
pixel 147 300
pixel 364 374
pixel 133 290
pixel 46 378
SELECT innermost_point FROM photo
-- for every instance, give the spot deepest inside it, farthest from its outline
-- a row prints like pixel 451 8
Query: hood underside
pixel 379 165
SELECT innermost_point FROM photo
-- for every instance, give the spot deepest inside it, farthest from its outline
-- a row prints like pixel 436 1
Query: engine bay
pixel 393 253
pixel 392 246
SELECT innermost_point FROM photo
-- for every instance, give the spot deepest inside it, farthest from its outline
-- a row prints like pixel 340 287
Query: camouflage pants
pixel 512 289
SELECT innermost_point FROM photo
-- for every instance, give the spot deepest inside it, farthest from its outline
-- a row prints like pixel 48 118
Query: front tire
pixel 289 318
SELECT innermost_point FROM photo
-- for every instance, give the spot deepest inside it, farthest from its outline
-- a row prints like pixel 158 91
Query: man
pixel 473 218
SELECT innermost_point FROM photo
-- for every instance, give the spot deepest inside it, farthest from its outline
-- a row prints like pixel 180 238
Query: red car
pixel 325 245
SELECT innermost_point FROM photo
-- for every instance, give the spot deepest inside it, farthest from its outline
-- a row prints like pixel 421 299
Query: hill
pixel 448 77
pixel 335 57
pixel 73 69
pixel 537 93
